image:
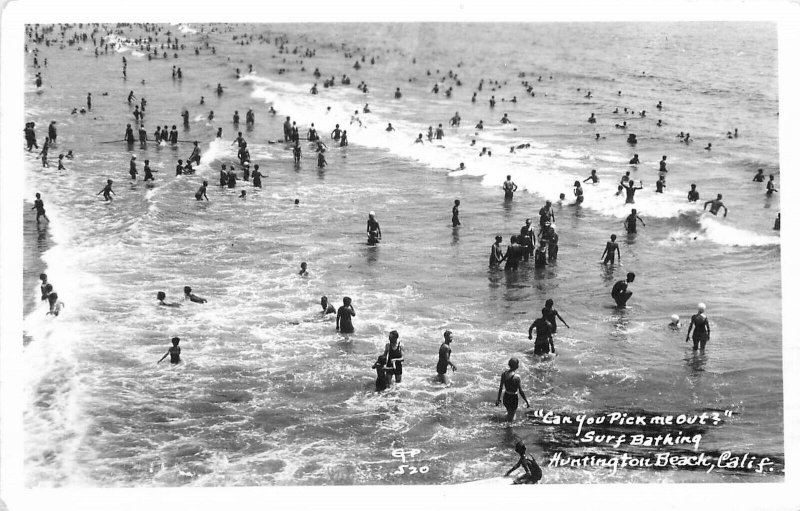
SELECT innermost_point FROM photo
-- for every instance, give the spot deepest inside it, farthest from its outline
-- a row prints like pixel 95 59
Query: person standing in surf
pixel 174 352
pixel 509 188
pixel 107 191
pixel 496 257
pixel 344 315
pixel 394 355
pixel 444 358
pixel 38 205
pixel 512 384
pixel 630 222
pixel 201 192
pixel 544 335
pixel 611 250
pixel 551 314
pixel 456 221
pixel 620 291
pixel 715 205
pixel 630 190
pixel 699 328
pixel 373 229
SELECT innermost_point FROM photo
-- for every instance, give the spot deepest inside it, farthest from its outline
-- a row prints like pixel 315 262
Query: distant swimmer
pixel 327 308
pixel 439 132
pixel 699 328
pixel 243 194
pixel 444 358
pixel 527 238
pixel 578 191
pixel 44 286
pixel 496 256
pixel 533 473
pixel 456 221
pixel 546 214
pixel 630 190
pixel 201 192
pixel 393 351
pixel 551 315
pixel 344 315
pixel 660 184
pixel 174 352
pixel 373 230
pixel 694 195
pixel 303 268
pixel 708 147
pixel 397 94
pixel 611 251
pixel 509 188
pixel 512 384
pixel 505 119
pixel 715 205
pixel 389 127
pixel 419 139
pixel 592 119
pixel 674 322
pixel 662 165
pixel 107 191
pixel 659 105
pixel 623 126
pixel 759 177
pixel 544 335
pixel 161 296
pixel 771 186
pixel 297 153
pixel 479 126
pixel 321 161
pixel 188 295
pixel 777 225
pixel 38 205
pixel 148 172
pixel 129 138
pixel 343 141
pixel 592 177
pixel 634 160
pixel 620 291
pixel 257 175
pixel 630 221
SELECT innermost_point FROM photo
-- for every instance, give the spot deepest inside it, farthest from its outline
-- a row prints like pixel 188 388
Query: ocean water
pixel 268 392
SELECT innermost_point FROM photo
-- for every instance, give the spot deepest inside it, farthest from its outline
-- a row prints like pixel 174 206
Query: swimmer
pixel 188 295
pixel 303 268
pixel 389 127
pixel 419 139
pixel 107 191
pixel 321 162
pixel 43 287
pixel 394 355
pixel 327 308
pixel 373 229
pixel 593 177
pixel 201 192
pixel 630 190
pixel 512 383
pixel 174 352
pixel 592 119
pixel 578 191
pixel 771 186
pixel 708 147
pixel 694 195
pixel 660 184
pixel 505 119
pixel 662 165
pixel 456 221
pixel 674 322
pixel 620 291
pixel 634 160
pixel 344 323
pixel 715 205
pixel 544 335
pixel 243 195
pixel 777 225
pixel 533 473
pixel 551 315
pixel 161 296
pixel 297 153
pixel 496 257
pixel 383 376
pixel 444 358
pixel 611 250
pixel 699 328
pixel 759 177
pixel 56 305
pixel 630 221
pixel 509 188
pixel 38 205
pixel 546 214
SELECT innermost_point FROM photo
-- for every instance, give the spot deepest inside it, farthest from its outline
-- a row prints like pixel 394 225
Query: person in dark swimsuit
pixel 620 291
pixel 38 205
pixel 513 254
pixel 699 328
pixel 552 315
pixel 107 191
pixel 759 177
pixel 533 473
pixel 384 375
pixel 174 352
pixel 693 195
pixel 544 335
pixel 611 251
pixel 188 295
pixel 344 323
pixel 444 358
pixel 630 190
pixel 201 192
pixel 509 188
pixel 512 383
pixel 257 175
pixel 394 355
pixel 161 296
pixel 43 287
pixel 630 221
pixel 456 221
pixel 496 257
pixel 527 239
pixel 373 229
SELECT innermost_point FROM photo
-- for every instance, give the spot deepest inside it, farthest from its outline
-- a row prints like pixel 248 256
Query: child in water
pixel 533 474
pixel 174 352
pixel 383 379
